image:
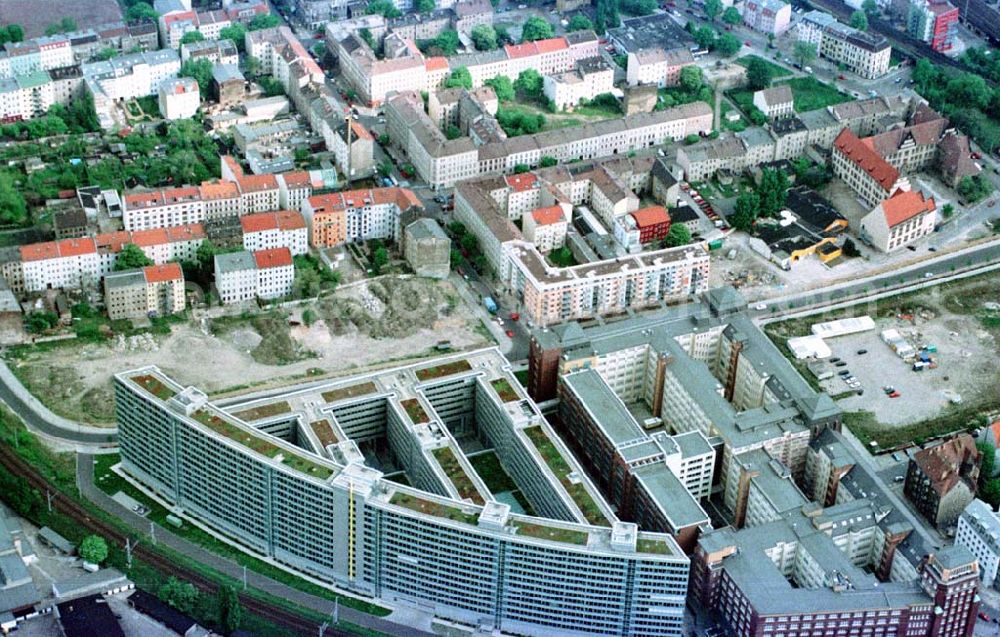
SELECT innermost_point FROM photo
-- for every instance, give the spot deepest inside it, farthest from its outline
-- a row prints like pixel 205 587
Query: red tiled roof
pixel 866 158
pixel 359 131
pixel 163 273
pixel 548 215
pixel 152 237
pixel 402 197
pixel 39 251
pixel 113 241
pixel 651 216
pixel 944 464
pixel 258 183
pixel 259 222
pixel 436 63
pixel 522 182
pixel 218 190
pixel 273 258
pixel 290 220
pixel 189 232
pixel 551 44
pixel 76 247
pixel 178 17
pixel 904 205
pixel 297 179
pixel 233 165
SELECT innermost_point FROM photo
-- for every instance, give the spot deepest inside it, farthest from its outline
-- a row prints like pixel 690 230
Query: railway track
pixel 276 614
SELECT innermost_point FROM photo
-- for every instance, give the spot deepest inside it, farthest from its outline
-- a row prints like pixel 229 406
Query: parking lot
pixel 962 369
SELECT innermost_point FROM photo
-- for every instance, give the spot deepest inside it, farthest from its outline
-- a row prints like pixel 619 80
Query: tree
pixel 773 191
pixel 452 132
pixel 678 235
pixel 536 28
pixel 237 33
pixel 969 89
pixel 859 21
pixel 758 74
pixel 484 37
pixel 947 211
pixel 990 493
pixel 380 257
pixel 192 36
pixel 731 16
pixel 712 9
pixel 230 610
pixel 201 71
pixel 13 209
pixel 691 78
pixel 180 595
pixel 141 12
pixel 469 242
pixel 804 52
pixel 106 53
pixel 515 122
pixel 65 25
pixel 502 86
pixel 693 138
pixel 987 462
pixel 850 249
pixel 520 169
pixel 973 188
pixel 745 212
pixel 447 42
pixel 547 161
pixel 11 33
pixel 579 22
pixel 638 7
pixel 94 549
pixel 529 83
pixel 264 21
pixel 39 322
pixel 704 37
pixel 383 8
pixel 870 7
pixel 131 256
pixel 728 45
pixel 460 78
pixel 424 6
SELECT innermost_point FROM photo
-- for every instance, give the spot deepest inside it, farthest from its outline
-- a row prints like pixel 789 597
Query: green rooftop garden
pixel 324 431
pixel 435 509
pixel 449 462
pixel 561 468
pixel 447 369
pixel 154 386
pixel 361 389
pixel 504 390
pixel 264 411
pixel 554 533
pixel 415 411
pixel 658 547
pixel 260 445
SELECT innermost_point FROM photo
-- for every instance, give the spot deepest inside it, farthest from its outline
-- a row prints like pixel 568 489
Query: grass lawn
pixel 487 465
pixel 552 120
pixel 743 98
pixel 738 125
pixel 776 71
pixel 810 94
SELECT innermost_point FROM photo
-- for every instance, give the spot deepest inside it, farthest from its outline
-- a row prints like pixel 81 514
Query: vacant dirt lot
pixel 36 15
pixel 365 325
pixel 962 320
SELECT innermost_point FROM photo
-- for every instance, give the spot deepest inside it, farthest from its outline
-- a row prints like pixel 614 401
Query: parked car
pixel 509 333
pixel 840 364
pixel 862 352
pixel 888 389
pixel 844 372
pixel 894 394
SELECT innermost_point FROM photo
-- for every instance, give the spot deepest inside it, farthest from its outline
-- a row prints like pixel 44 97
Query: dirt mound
pixel 400 308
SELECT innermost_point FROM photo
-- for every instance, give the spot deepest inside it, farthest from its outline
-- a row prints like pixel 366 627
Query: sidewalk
pixel 85 482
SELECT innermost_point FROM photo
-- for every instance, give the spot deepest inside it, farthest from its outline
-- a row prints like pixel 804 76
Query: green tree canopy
pixel 484 37
pixel 237 33
pixel 383 8
pixel 691 78
pixel 704 37
pixel 638 7
pixel 230 610
pixel 265 21
pixel 11 33
pixel 131 257
pixel 987 463
pixel 94 549
pixel 502 86
pixel 424 6
pixel 758 74
pixel 141 12
pixel 859 21
pixel 200 70
pixel 579 22
pixel 804 52
pixel 529 82
pixel 192 36
pixel 712 9
pixel 678 235
pixel 547 161
pixel 870 7
pixel 447 43
pixel 745 212
pixel 773 191
pixel 181 595
pixel 728 45
pixel 731 16
pixel 536 28
pixel 460 78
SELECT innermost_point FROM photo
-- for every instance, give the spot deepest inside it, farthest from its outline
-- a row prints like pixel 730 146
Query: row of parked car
pixel 705 206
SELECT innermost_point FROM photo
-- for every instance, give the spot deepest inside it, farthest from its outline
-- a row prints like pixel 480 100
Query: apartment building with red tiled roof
pixel 268 230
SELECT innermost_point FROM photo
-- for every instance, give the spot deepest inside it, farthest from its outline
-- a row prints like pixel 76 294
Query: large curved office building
pixel 367 483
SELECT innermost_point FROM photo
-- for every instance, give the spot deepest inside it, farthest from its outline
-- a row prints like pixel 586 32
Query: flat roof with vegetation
pixel 453 469
pixel 415 411
pixel 547 449
pixel 351 391
pixel 153 385
pixel 432 507
pixel 504 390
pixel 445 369
pixel 264 411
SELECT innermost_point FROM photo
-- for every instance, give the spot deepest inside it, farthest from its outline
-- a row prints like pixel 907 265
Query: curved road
pixel 39 418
